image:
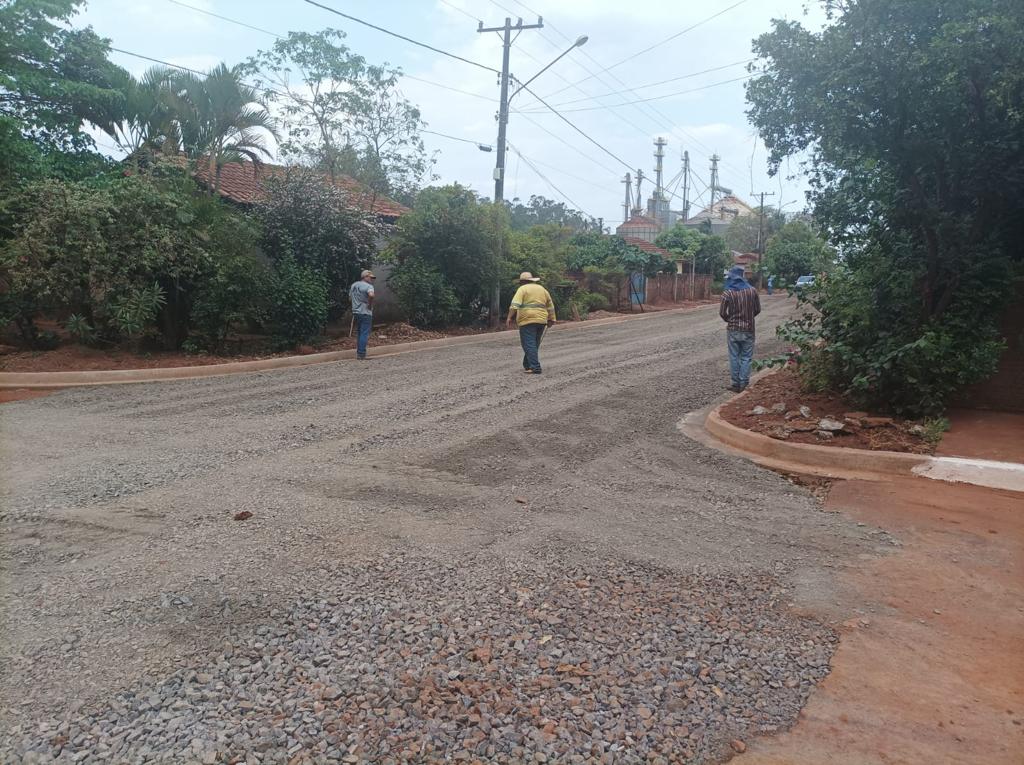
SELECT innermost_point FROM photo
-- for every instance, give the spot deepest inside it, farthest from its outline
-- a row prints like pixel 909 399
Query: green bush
pixel 127 255
pixel 300 302
pixel 864 337
pixel 424 294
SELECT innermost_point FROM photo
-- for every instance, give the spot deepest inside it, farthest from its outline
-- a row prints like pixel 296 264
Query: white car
pixel 804 281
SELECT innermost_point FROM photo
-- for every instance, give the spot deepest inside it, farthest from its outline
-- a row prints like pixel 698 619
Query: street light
pixel 580 42
pixel 499 166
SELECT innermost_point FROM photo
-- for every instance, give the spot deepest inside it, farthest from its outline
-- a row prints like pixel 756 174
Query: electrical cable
pixel 544 178
pixel 225 18
pixel 654 98
pixel 607 69
pixel 564 142
pixel 402 37
pixel 571 124
pixel 447 87
pixel 655 84
pixel 456 138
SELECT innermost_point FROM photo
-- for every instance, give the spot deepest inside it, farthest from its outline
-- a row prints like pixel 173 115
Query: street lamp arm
pixel 579 42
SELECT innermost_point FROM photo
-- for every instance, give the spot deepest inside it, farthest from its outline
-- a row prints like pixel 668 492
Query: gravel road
pixel 447 560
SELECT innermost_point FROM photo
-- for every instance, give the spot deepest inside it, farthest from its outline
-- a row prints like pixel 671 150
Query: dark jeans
pixel 529 337
pixel 741 352
pixel 363 324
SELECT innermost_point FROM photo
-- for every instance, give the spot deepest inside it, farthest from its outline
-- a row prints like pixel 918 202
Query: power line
pixel 158 61
pixel 569 122
pixel 655 84
pixel 464 12
pixel 655 98
pixel 564 142
pixel 456 138
pixel 652 47
pixel 225 18
pixel 648 111
pixel 402 37
pixel 544 178
pixel 448 87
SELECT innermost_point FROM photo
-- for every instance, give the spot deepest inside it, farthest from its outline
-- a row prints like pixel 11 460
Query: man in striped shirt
pixel 738 308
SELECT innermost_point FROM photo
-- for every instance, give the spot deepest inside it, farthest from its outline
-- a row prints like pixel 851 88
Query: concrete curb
pixel 58 380
pixel 848 463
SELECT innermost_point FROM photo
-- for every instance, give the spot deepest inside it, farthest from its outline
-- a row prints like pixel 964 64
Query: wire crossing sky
pixel 664 68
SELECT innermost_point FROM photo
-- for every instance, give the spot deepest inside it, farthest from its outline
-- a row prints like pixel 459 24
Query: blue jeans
pixel 363 324
pixel 741 352
pixel 529 338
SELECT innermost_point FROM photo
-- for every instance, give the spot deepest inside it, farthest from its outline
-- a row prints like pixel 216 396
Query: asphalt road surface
pixel 446 559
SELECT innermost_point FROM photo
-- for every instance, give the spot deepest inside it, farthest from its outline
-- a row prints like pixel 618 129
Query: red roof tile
pixel 241 182
pixel 639 221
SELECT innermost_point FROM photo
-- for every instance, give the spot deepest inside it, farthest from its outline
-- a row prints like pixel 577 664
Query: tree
pixel 747 233
pixel 540 210
pixel 796 250
pixel 341 114
pixel 146 118
pixel 54 79
pixel 911 113
pixel 307 219
pixel 708 251
pixel 219 120
pixel 452 233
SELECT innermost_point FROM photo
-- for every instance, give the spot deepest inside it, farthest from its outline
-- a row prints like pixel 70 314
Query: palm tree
pixel 220 119
pixel 145 116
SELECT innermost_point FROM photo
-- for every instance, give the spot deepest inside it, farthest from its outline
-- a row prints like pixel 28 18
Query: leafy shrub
pixel 300 302
pixel 127 254
pixel 865 337
pixel 424 294
pixel 306 219
pixel 461 238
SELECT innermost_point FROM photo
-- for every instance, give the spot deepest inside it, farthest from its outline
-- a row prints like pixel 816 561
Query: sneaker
pixel 735 388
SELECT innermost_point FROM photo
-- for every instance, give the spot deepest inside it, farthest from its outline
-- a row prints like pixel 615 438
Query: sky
pixel 596 87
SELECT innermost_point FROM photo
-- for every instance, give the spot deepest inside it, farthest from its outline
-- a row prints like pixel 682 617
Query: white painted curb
pixel 990 473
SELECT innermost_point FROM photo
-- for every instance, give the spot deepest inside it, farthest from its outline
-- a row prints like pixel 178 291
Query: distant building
pixel 639 227
pixel 721 214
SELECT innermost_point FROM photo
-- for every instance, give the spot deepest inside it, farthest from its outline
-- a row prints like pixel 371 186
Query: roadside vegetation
pixel 909 116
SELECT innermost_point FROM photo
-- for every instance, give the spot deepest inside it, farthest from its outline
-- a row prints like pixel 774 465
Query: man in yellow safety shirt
pixel 533 311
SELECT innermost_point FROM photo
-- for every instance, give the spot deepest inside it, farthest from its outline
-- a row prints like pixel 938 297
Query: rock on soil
pixel 409 660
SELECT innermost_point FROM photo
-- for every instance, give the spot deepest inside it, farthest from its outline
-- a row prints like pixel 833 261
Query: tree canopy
pixel 911 113
pixel 796 250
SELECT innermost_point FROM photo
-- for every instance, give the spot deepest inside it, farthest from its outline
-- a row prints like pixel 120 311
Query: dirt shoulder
pixel 73 357
pixel 775 405
pixel 930 667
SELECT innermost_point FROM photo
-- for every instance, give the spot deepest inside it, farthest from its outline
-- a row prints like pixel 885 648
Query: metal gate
pixel 637 289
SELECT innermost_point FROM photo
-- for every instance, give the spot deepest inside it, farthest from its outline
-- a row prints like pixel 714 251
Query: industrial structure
pixel 646 221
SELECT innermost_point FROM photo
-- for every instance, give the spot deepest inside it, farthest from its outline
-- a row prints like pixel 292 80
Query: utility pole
pixel 760 236
pixel 506 31
pixel 499 167
pixel 628 202
pixel 686 186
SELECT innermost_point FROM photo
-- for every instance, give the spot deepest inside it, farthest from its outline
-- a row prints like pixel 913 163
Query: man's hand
pixel 551 322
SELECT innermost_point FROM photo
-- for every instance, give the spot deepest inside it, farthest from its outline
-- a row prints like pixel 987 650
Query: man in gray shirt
pixel 361 295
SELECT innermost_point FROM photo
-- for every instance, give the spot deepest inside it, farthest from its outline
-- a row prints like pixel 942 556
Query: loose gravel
pixel 444 561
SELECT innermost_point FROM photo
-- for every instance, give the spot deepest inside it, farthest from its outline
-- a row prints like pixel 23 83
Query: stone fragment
pixel 805 412
pixel 243 516
pixel 825 435
pixel 758 411
pixel 780 432
pixel 779 408
pixel 830 424
pixel 738 746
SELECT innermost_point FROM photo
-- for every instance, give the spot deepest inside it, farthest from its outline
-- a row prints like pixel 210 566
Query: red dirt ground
pixel 784 387
pixel 72 357
pixel 930 668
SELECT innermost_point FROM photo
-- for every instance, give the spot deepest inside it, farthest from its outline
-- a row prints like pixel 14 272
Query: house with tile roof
pixel 243 184
pixel 719 215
